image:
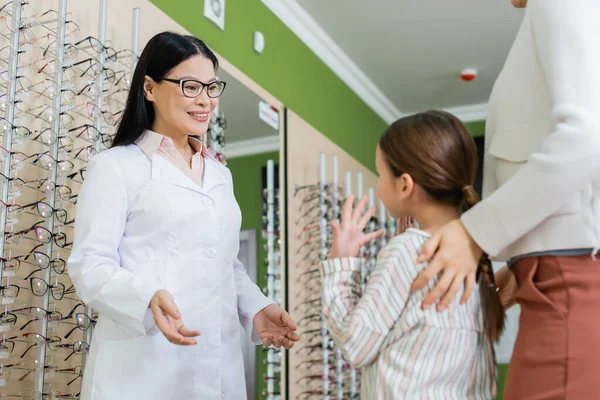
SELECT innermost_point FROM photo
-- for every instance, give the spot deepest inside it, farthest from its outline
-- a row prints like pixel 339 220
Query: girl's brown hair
pixel 437 151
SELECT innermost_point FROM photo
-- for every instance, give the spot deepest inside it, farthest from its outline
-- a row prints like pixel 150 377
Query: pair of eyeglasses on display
pixel 314 338
pixel 314 202
pixel 219 121
pixel 84 153
pixel 39 287
pixel 97 46
pixel 35 258
pixel 90 90
pixel 90 66
pixel 50 371
pixel 313 242
pixel 307 379
pixel 315 362
pixel 93 112
pixel 310 275
pixel 308 304
pixel 308 319
pixel 9 370
pixel 8 319
pixel 38 208
pixel 8 292
pixel 314 215
pixel 308 291
pixel 48 137
pixel 43 185
pixel 83 323
pixel 91 133
pixel 44 86
pixel 20 134
pixel 32 339
pixel 42 235
pixel 47 113
pixel 20 160
pixel 32 20
pixel 313 255
pixel 316 187
pixel 78 176
pixel 216 137
pixel 310 242
pixel 309 231
pixel 77 371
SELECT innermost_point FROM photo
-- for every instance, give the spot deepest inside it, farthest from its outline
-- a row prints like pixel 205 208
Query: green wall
pixel 502 370
pixel 247 186
pixel 476 128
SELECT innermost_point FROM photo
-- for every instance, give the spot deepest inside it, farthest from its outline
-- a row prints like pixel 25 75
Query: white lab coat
pixel 143 225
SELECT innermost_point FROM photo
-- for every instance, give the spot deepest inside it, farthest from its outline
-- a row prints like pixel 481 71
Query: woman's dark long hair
pixel 163 52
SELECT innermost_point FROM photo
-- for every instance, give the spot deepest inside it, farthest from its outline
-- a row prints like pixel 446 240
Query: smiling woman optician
pixel 156 243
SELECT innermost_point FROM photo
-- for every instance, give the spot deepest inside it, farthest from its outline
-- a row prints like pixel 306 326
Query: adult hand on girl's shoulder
pixel 456 255
pixel 275 327
pixel 348 236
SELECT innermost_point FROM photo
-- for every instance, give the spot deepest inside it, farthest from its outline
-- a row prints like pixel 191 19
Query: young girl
pixel 426 165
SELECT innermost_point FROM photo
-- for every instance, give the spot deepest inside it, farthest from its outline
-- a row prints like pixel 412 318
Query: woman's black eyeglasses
pixel 192 88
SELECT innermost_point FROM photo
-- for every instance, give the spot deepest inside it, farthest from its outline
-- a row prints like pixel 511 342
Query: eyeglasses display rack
pixel 62 93
pixel 318 369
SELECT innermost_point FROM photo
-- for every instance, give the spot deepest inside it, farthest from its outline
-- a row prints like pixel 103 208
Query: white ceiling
pixel 414 50
pixel 240 106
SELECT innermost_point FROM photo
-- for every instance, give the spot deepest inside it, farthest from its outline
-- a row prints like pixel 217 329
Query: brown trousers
pixel 557 352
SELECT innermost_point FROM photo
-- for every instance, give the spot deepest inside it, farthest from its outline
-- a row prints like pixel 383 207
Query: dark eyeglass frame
pixel 57 316
pixel 79 317
pixel 79 172
pixel 106 138
pixel 111 54
pixel 53 262
pixel 182 82
pixel 80 347
pixel 8 286
pixel 8 317
pixel 57 290
pixel 60 239
pixel 50 342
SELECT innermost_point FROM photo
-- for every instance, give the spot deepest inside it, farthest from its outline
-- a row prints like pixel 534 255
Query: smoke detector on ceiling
pixel 469 74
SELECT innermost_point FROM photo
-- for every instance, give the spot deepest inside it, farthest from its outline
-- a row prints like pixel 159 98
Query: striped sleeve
pixel 359 325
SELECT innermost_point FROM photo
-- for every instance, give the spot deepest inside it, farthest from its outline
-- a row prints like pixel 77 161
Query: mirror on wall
pixel 247 134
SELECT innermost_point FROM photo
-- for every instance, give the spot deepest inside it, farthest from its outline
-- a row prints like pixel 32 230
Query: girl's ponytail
pixel 493 311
